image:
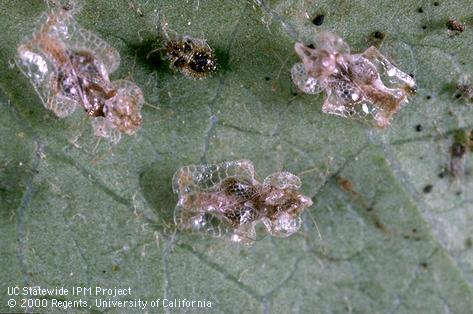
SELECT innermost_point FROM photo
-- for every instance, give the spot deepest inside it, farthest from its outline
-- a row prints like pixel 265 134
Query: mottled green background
pixel 74 213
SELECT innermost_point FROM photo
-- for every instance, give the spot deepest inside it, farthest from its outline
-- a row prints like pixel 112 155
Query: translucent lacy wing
pixel 283 226
pixel 78 38
pixel 283 180
pixel 343 98
pixel 202 178
pixel 303 81
pixel 214 225
pixel 203 205
pixel 363 86
pixel 104 128
pixel 42 74
pixel 44 57
pixel 396 77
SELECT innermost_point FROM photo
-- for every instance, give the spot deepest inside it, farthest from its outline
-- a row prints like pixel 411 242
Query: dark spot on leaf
pixel 369 209
pixel 424 265
pixel 457 96
pixel 378 224
pixel 379 35
pixel 420 10
pixel 311 46
pixel 428 97
pixel 115 268
pixel 267 78
pixel 441 174
pixel 418 127
pixel 468 243
pixel 424 27
pixel 318 20
pixel 414 230
pixel 428 188
pixel 294 94
pixel 458 193
pixel 458 150
pixel 436 3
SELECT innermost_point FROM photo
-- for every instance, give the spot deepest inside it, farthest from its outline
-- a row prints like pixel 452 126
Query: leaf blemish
pixel 379 35
pixel 468 243
pixel 378 224
pixel 428 188
pixel 318 20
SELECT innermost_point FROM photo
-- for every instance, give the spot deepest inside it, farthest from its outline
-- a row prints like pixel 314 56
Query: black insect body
pixel 192 57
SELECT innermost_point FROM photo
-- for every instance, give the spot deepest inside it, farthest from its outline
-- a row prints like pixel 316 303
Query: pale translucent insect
pixel 227 199
pixel 355 85
pixel 69 66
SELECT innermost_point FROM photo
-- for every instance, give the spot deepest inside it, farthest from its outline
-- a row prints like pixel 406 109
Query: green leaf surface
pixel 75 212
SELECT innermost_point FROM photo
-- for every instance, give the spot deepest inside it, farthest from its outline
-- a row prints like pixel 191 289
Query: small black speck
pixel 424 264
pixel 378 35
pixel 420 10
pixel 104 271
pixel 369 209
pixel 318 20
pixel 441 174
pixel 267 78
pixel 294 94
pixel 424 27
pixel 428 188
pixel 436 3
pixel 311 46
pixel 418 127
pixel 428 97
pixel 414 230
pixel 458 193
pixel 457 96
